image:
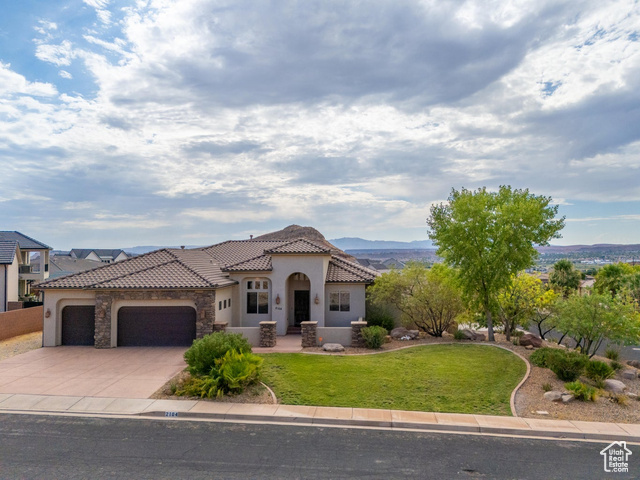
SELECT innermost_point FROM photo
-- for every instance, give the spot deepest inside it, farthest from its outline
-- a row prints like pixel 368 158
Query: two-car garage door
pixel 137 326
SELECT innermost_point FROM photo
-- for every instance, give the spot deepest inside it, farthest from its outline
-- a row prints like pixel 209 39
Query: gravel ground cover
pixel 20 344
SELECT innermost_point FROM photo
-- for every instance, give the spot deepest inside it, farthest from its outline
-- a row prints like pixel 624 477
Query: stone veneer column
pixel 220 326
pixel 102 336
pixel 356 334
pixel 309 334
pixel 268 334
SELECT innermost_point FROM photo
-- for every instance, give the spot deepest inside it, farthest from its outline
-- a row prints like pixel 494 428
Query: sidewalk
pixel 303 415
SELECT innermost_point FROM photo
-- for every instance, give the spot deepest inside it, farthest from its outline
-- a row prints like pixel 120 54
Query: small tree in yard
pixel 545 311
pixel 518 302
pixel 565 278
pixel 428 299
pixel 592 318
pixel 489 237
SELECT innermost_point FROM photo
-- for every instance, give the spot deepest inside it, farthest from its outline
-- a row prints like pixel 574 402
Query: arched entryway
pixel 299 299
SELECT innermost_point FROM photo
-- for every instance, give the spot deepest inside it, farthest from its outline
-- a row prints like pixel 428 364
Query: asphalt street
pixel 33 446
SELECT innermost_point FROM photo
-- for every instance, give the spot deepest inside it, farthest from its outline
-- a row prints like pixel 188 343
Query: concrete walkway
pixel 284 344
pixel 301 415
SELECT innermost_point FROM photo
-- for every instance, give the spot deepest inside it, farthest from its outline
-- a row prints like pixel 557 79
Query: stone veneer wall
pixel 309 334
pixel 356 334
pixel 205 301
pixel 268 334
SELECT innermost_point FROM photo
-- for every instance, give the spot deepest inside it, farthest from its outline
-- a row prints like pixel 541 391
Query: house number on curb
pixel 170 414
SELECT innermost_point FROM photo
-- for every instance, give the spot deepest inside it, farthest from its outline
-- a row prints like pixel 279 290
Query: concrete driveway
pixel 127 372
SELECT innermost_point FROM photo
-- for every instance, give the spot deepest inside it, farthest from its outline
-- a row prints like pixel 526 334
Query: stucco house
pixel 17 272
pixel 99 254
pixel 172 296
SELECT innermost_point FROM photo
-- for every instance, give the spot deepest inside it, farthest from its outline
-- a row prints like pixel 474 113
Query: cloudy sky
pixel 166 122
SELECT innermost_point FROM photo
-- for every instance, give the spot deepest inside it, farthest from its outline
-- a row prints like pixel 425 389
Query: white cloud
pixel 59 55
pixel 65 74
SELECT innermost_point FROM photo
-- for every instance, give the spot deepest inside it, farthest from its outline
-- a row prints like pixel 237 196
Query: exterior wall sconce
pixel 317 300
pixel 278 299
pixel 47 314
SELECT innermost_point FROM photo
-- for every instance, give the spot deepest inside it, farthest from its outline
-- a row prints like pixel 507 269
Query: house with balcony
pixel 24 261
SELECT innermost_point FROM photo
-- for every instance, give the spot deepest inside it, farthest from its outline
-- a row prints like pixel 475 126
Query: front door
pixel 301 306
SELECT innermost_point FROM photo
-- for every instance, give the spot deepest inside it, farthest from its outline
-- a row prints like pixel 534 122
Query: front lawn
pixel 436 378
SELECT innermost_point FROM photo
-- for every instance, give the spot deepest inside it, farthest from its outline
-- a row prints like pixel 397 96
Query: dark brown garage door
pixel 78 325
pixel 156 326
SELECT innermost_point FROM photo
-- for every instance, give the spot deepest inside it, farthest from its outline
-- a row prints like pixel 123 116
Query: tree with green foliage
pixel 545 311
pixel 518 302
pixel 612 278
pixel 565 278
pixel 489 237
pixel 428 299
pixel 590 319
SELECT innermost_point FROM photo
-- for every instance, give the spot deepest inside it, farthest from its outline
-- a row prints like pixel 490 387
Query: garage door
pixel 156 326
pixel 78 325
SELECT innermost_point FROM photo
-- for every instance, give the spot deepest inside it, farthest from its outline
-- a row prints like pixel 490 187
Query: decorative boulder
pixel 629 374
pixel 530 339
pixel 634 363
pixel 553 396
pixel 387 339
pixel 333 347
pixel 472 334
pixel 615 386
pixel 398 332
pixel 529 347
pixel 414 334
pixel 567 398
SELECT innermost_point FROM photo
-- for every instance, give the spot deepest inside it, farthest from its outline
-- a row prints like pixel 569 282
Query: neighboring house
pixel 99 255
pixel 62 265
pixel 171 296
pixel 16 282
pixel 586 285
pixel 373 264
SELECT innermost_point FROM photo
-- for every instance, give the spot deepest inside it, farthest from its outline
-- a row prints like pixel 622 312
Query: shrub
pixel 612 354
pixel 202 386
pixel 547 387
pixel 568 366
pixel 202 355
pixel 458 335
pixel 379 317
pixel 619 398
pixel 616 365
pixel 540 358
pixel 596 370
pixel 237 370
pixel 373 336
pixel 582 392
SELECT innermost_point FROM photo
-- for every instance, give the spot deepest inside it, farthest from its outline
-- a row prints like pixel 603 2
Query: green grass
pixel 438 378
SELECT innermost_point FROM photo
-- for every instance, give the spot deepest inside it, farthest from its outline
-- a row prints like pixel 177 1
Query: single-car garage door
pixel 78 325
pixel 156 326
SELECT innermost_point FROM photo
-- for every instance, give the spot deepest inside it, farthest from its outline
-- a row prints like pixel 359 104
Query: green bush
pixel 582 392
pixel 547 387
pixel 202 355
pixel 596 370
pixel 458 335
pixel 373 336
pixel 379 317
pixel 612 353
pixel 205 386
pixel 616 365
pixel 568 366
pixel 237 370
pixel 540 358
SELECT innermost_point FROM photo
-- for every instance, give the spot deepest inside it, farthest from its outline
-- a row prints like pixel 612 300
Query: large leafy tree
pixel 590 319
pixel 612 278
pixel 565 278
pixel 490 236
pixel 427 299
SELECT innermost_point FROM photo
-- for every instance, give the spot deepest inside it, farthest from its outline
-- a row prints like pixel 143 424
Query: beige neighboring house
pixel 172 296
pixel 99 254
pixel 17 272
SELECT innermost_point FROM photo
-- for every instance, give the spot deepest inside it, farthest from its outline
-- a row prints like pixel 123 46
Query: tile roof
pixel 261 263
pixel 301 245
pixel 24 242
pixel 7 251
pixel 100 252
pixel 233 252
pixel 166 268
pixel 343 271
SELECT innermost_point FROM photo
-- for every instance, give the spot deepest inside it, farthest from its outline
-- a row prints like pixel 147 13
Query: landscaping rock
pixel 629 374
pixel 632 396
pixel 529 347
pixel 553 396
pixel 402 333
pixel 634 363
pixel 387 339
pixel 530 339
pixel 615 386
pixel 567 398
pixel 473 335
pixel 333 347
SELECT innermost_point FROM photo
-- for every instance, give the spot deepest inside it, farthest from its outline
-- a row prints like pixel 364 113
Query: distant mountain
pixel 354 243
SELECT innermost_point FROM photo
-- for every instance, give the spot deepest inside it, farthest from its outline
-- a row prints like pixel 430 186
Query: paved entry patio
pixel 124 372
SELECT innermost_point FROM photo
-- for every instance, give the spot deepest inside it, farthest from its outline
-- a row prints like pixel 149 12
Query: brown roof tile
pixel 258 264
pixel 301 245
pixel 343 271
